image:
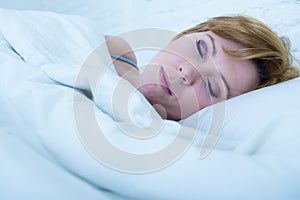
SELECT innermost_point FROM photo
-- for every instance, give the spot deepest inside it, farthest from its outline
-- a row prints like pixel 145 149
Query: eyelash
pixel 198 45
pixel 210 90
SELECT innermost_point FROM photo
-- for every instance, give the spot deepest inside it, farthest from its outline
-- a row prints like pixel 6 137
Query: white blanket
pixel 42 54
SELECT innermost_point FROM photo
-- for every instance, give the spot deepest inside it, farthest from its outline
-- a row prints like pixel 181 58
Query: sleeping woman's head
pixel 219 59
pixel 213 61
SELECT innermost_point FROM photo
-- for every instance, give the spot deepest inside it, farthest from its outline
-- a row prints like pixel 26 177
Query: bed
pixel 244 148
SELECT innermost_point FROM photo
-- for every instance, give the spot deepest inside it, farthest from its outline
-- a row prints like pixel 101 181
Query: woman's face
pixel 193 72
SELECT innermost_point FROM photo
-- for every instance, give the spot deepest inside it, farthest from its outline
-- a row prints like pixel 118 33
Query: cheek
pixel 193 99
pixel 159 58
pixel 149 74
pixel 168 58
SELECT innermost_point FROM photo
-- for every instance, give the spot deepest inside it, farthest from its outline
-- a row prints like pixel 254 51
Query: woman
pixel 219 59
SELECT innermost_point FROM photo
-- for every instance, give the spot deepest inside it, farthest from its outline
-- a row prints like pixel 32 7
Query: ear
pixel 119 46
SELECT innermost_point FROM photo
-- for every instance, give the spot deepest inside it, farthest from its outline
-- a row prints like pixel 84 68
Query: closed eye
pixel 201 47
pixel 211 90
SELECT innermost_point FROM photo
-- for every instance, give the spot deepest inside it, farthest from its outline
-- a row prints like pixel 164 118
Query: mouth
pixel 163 79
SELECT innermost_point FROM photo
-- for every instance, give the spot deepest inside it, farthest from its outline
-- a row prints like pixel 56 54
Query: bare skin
pixel 118 46
pixel 188 74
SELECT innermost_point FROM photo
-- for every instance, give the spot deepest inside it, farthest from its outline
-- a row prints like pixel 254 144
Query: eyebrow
pixel 213 43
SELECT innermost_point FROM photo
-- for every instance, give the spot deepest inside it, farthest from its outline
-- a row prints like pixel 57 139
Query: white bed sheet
pixel 25 174
pixel 263 166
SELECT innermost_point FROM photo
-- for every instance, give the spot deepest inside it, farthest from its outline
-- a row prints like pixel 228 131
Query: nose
pixel 188 74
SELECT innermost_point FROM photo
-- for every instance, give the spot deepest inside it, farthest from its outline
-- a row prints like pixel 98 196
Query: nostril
pixel 183 79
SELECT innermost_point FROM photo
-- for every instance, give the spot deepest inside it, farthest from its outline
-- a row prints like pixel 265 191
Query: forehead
pixel 241 74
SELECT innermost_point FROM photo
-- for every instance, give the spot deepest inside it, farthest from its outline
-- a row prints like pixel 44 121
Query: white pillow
pixel 237 118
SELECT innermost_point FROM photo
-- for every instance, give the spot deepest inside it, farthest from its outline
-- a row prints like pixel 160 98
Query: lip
pixel 163 79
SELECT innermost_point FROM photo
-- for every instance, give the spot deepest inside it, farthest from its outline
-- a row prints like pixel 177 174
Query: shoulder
pixel 119 46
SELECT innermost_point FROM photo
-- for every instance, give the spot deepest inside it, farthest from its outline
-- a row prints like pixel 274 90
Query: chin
pixel 179 115
pixel 174 114
pixel 148 91
pixel 175 118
